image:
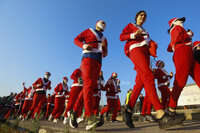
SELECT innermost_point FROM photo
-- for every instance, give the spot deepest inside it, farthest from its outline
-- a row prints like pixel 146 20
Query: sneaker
pixel 55 120
pixel 20 117
pixel 92 122
pixel 101 121
pixel 128 118
pixel 50 118
pixel 168 121
pixel 72 121
pixel 79 120
pixel 114 120
pixel 142 118
pixel 66 120
pixel 149 118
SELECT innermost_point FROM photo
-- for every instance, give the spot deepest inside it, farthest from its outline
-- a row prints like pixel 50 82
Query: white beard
pixel 180 23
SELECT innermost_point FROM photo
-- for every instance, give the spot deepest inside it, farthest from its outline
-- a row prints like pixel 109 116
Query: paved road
pixel 120 127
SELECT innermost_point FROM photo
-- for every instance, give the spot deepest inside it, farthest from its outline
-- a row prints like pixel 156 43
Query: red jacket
pixel 111 89
pixel 91 38
pixel 17 99
pixel 61 90
pixel 162 77
pixel 40 85
pixel 179 38
pixel 24 93
pixel 75 75
pixel 140 41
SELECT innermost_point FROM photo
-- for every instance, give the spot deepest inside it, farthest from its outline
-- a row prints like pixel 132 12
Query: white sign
pixel 190 95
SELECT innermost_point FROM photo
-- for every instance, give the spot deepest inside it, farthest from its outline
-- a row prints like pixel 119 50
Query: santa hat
pixel 65 78
pixel 113 74
pixel 158 63
pixel 101 24
pixel 195 44
pixel 48 73
pixel 172 21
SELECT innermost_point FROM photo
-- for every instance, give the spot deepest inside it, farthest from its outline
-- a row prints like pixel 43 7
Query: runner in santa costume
pixel 61 91
pixel 111 89
pixel 146 110
pixel 27 103
pixel 22 98
pixel 41 85
pixel 97 93
pixel 183 59
pixel 94 46
pixel 50 105
pixel 163 80
pixel 137 49
pixel 118 100
pixel 76 88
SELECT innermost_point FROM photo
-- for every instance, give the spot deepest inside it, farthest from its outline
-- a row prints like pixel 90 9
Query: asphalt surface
pixel 120 127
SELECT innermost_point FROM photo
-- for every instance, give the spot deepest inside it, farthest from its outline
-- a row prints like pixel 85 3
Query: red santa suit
pixel 183 58
pixel 50 105
pixel 39 98
pixel 91 64
pixel 97 94
pixel 76 88
pixel 136 49
pixel 28 101
pixel 111 94
pixel 163 79
pixel 147 106
pixel 61 92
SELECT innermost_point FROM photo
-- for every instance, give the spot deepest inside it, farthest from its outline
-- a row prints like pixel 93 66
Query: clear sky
pixel 37 36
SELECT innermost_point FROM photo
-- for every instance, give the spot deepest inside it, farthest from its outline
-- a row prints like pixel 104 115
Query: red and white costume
pixel 61 92
pixel 50 105
pixel 111 89
pixel 28 101
pixel 136 49
pixel 163 79
pixel 184 62
pixel 76 88
pixel 91 64
pixel 39 97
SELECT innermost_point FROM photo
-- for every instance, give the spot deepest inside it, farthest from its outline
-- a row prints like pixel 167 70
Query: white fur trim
pixel 138 45
pixel 76 84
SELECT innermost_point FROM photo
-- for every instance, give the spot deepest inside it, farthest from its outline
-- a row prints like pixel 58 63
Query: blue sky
pixel 37 36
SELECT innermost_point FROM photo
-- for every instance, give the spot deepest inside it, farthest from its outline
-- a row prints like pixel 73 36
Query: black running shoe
pixel 128 119
pixel 168 121
pixel 114 120
pixel 72 122
pixel 101 121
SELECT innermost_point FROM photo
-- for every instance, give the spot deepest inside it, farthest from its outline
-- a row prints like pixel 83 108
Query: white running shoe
pixel 79 120
pixel 55 120
pixel 66 120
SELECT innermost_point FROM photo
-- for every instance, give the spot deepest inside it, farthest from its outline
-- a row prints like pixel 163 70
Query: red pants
pixel 48 110
pixel 165 94
pixel 78 106
pixel 38 102
pixel 96 105
pixel 111 103
pixel 185 65
pixel 141 59
pixel 59 107
pixel 90 73
pixel 119 104
pixel 147 105
pixel 26 106
pixel 74 93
